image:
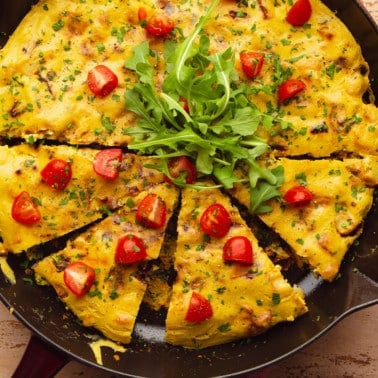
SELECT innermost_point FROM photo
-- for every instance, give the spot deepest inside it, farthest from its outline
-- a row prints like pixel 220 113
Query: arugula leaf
pixel 187 49
pixel 140 62
pixel 219 130
pixel 264 191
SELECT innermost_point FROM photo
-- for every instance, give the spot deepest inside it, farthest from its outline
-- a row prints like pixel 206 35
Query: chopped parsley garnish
pixel 276 298
pixel 224 327
pixel 58 25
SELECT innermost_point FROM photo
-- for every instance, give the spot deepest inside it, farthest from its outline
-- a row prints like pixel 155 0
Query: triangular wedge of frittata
pixel 330 115
pixel 246 299
pixel 112 302
pixel 47 60
pixel 86 197
pixel 321 230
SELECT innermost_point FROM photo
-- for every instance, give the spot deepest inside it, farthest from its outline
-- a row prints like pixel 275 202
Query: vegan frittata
pixel 123 110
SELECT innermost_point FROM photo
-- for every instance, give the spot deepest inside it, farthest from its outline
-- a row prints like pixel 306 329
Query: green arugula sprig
pixel 218 131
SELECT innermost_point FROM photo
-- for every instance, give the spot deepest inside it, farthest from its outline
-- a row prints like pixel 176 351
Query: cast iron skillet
pixel 58 337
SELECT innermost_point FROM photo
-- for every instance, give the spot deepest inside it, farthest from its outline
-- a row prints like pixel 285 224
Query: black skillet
pixel 58 337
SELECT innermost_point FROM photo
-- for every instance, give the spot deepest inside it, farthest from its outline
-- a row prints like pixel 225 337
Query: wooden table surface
pixel 350 349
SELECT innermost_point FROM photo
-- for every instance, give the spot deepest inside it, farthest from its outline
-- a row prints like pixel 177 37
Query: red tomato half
pixel 102 80
pixel 252 63
pixel 289 89
pixel 298 195
pixel 24 210
pixel 184 103
pixel 107 163
pixel 157 25
pixel 181 165
pixel 142 15
pixel 215 221
pixel 79 277
pixel 152 211
pixel 238 249
pixel 130 249
pixel 299 13
pixel 199 309
pixel 57 173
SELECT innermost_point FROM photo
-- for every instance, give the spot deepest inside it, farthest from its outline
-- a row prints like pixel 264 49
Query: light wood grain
pixel 350 349
pixel 372 6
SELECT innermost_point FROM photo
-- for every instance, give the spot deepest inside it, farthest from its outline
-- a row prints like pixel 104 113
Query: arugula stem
pixel 174 104
pixel 221 161
pixel 186 46
pixel 253 143
pixel 226 85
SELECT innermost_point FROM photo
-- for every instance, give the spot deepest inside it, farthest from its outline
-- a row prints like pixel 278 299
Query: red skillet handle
pixel 40 360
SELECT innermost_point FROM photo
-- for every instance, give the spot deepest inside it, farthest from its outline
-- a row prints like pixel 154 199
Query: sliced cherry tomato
pixel 57 173
pixel 238 249
pixel 181 165
pixel 79 277
pixel 130 249
pixel 151 211
pixel 157 25
pixel 184 103
pixel 142 15
pixel 24 210
pixel 289 89
pixel 298 195
pixel 252 63
pixel 102 80
pixel 215 221
pixel 299 13
pixel 199 309
pixel 107 163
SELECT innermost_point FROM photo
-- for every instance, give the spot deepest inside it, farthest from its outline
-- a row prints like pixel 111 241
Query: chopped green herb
pixel 301 177
pixel 119 33
pixel 113 295
pixel 130 203
pixel 221 290
pixel 58 25
pixel 300 241
pixel 95 293
pixel 224 327
pixel 276 298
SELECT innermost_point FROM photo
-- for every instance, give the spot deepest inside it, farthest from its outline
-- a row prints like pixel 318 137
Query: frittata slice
pixel 112 302
pixel 85 199
pixel 329 115
pixel 246 299
pixel 321 230
pixel 47 60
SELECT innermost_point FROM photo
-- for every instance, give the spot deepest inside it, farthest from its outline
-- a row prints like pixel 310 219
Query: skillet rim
pixel 351 309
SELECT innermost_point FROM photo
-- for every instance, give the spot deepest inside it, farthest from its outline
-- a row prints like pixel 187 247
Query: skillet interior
pixel 148 355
